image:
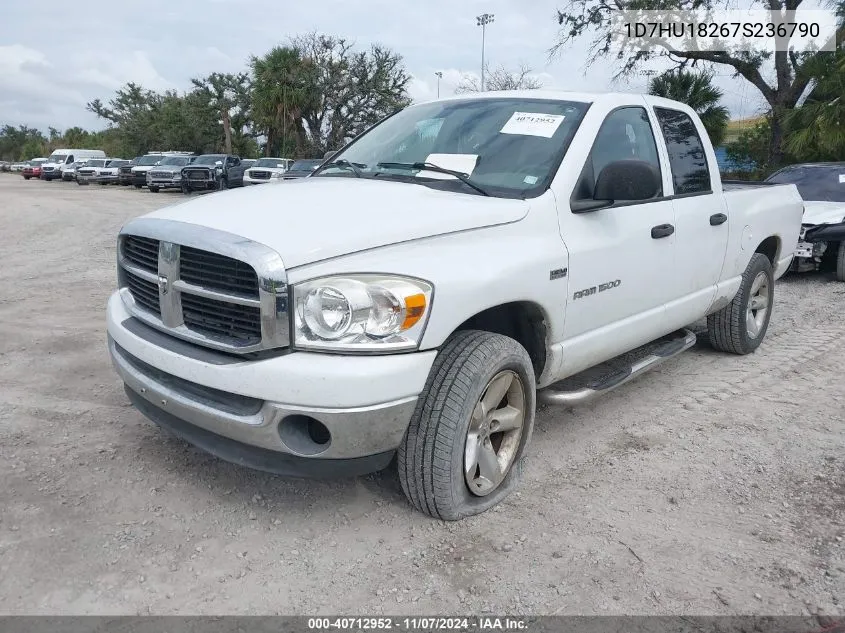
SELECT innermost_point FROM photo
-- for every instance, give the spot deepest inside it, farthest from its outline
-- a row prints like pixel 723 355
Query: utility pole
pixel 483 20
pixel 439 77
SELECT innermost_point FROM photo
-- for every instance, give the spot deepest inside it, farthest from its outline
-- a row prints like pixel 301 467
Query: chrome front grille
pixel 161 174
pixel 217 271
pixel 204 285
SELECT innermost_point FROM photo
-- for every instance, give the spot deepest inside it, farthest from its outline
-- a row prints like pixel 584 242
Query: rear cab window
pixel 687 158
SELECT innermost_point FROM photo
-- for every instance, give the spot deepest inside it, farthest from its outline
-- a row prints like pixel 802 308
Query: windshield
pixel 148 160
pixel 96 163
pixel 58 158
pixel 305 165
pixel 179 161
pixel 209 159
pixel 509 146
pixel 276 163
pixel 118 163
pixel 815 182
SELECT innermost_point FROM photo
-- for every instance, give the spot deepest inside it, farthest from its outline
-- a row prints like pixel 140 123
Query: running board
pixel 600 379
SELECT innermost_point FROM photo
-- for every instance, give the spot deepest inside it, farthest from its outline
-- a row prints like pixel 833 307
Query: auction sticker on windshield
pixel 533 124
pixel 841 178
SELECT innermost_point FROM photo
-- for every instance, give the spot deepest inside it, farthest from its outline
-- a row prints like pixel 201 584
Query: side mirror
pixel 329 154
pixel 622 180
pixel 218 162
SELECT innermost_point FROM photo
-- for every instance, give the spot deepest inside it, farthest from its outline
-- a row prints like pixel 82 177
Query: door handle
pixel 662 230
pixel 718 218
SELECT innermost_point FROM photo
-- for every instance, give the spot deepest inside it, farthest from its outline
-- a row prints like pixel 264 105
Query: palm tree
pixel 816 130
pixel 696 89
pixel 279 94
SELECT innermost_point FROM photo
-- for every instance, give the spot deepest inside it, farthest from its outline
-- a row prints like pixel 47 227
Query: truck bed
pixel 736 185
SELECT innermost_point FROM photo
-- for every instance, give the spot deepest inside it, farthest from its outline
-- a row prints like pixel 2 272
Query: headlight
pixel 276 175
pixel 361 313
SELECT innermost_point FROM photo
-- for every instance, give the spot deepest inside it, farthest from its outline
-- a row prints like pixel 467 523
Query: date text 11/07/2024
pixel 489 623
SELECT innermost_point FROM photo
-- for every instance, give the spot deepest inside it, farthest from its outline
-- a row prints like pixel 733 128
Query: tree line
pixel 297 100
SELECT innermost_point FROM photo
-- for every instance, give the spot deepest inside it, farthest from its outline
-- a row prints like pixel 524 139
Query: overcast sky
pixel 55 56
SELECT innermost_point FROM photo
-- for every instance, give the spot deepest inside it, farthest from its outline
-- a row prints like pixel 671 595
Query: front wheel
pixel 740 327
pixel 222 184
pixel 153 189
pixel 27 177
pixel 462 452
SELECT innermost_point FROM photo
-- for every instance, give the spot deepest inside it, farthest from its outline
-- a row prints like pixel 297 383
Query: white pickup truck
pixel 416 296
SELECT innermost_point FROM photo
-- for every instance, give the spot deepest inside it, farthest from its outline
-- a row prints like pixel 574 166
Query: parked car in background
pixel 168 173
pixel 147 162
pixel 248 162
pixel 69 172
pixel 124 176
pixel 32 169
pixel 17 167
pixel 90 171
pixel 570 239
pixel 62 158
pixel 821 244
pixel 266 169
pixel 302 168
pixel 5 165
pixel 110 173
pixel 213 171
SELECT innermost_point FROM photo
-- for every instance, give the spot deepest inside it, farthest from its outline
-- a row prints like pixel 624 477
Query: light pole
pixel 439 77
pixel 483 20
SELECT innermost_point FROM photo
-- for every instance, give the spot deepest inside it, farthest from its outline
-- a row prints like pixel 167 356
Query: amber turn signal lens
pixel 414 310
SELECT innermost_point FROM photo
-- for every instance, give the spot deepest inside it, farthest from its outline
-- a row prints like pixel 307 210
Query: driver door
pixel 621 258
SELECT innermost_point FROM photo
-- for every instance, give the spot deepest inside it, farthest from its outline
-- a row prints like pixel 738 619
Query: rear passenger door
pixel 701 226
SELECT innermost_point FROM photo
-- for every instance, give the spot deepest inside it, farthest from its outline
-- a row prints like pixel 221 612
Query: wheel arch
pixel 524 321
pixel 770 247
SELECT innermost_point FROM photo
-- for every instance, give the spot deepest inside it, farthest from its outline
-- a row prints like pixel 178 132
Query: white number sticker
pixel 533 124
pixel 841 178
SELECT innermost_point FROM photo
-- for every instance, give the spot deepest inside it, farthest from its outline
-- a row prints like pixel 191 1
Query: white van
pixel 62 158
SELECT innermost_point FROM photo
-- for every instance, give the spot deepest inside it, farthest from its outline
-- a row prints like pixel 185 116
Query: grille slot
pixel 144 292
pixel 222 319
pixel 217 272
pixel 141 252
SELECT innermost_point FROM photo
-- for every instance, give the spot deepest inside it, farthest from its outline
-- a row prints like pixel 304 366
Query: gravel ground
pixel 713 485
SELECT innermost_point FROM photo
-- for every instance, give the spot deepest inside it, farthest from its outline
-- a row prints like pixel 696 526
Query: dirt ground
pixel 714 485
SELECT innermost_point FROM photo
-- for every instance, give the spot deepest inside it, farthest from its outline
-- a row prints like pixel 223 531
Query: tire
pixel 729 327
pixel 840 262
pixel 432 454
pixel 138 186
pixel 27 177
pixel 154 189
pixel 222 185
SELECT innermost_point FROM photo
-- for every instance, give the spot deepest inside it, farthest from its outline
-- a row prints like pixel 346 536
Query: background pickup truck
pixel 212 172
pixel 434 279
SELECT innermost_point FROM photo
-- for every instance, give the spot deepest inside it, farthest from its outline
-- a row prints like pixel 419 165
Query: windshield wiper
pixel 432 167
pixel 355 168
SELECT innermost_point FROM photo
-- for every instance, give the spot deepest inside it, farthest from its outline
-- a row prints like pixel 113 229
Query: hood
pixel 818 212
pixel 318 218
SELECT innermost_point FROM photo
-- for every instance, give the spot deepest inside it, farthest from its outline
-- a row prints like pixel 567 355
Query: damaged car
pixel 821 245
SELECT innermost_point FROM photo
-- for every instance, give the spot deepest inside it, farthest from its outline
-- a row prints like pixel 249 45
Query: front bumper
pixel 171 183
pixel 251 411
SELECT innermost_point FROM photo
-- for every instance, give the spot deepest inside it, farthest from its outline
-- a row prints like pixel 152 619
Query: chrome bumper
pixel 375 430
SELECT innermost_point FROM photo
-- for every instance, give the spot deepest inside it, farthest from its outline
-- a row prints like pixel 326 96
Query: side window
pixel 69 160
pixel 232 161
pixel 625 134
pixel 687 159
